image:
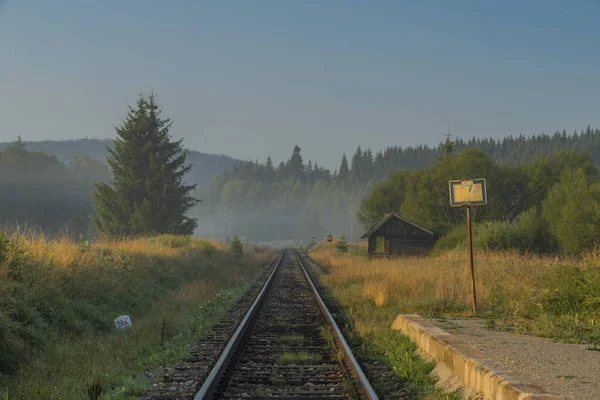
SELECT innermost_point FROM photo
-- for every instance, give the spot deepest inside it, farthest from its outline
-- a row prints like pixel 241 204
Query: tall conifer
pixel 146 194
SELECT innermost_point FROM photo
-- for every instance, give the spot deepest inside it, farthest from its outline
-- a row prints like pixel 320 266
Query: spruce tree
pixel 146 194
pixel 236 247
pixel 344 170
pixel 295 166
pixel 357 170
pixel 269 170
pixel 448 146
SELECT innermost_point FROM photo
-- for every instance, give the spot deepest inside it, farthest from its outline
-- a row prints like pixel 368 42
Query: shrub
pixel 236 247
pixel 455 238
pixel 498 235
pixel 342 245
pixel 572 211
pixel 530 233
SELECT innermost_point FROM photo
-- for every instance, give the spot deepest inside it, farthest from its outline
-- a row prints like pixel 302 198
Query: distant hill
pixel 205 165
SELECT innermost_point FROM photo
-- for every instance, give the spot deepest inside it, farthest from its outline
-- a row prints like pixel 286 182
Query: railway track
pixel 287 346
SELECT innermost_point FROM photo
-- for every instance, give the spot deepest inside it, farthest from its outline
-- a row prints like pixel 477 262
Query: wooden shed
pixel 395 235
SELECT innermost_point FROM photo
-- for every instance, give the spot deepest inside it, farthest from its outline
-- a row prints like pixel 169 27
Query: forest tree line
pixel 549 205
pixel 295 199
pixel 309 200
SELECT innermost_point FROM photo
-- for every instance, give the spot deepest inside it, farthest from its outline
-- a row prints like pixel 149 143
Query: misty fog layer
pixel 261 202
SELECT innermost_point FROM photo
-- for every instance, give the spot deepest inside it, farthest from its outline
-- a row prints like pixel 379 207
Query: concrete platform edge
pixel 465 361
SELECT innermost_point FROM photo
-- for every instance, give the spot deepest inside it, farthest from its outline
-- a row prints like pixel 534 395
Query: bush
pixel 342 245
pixel 572 211
pixel 530 233
pixel 455 238
pixel 500 236
pixel 236 247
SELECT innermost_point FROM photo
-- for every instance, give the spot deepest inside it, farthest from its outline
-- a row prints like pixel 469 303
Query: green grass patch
pixel 299 358
pixel 291 340
pixel 56 320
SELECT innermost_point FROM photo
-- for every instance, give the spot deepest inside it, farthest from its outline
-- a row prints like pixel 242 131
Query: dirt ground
pixel 569 370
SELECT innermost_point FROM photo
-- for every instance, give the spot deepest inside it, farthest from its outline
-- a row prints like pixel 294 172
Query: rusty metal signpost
pixel 468 193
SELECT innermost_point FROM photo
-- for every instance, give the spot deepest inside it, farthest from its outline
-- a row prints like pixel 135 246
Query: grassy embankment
pixel 543 296
pixel 58 300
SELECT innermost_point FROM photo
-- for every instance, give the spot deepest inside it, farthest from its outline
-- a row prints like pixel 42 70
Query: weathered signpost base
pixel 470 234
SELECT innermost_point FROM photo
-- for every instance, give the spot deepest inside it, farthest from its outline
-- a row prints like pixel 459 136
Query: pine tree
pixel 368 164
pixel 448 146
pixel 269 170
pixel 344 170
pixel 295 166
pixel 357 170
pixel 342 245
pixel 236 247
pixel 146 194
pixel 309 170
pixel 379 165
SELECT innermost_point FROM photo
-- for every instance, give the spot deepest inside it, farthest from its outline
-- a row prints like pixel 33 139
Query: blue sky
pixel 252 78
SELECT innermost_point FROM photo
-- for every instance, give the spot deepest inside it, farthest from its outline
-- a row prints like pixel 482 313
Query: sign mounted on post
pixel 468 192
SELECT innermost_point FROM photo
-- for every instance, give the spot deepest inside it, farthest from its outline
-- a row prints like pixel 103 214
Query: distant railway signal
pixel 468 193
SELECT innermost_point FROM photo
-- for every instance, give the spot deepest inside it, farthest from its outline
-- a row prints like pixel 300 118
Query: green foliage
pixel 344 171
pixel 385 197
pixel 543 172
pixel 422 195
pixel 342 245
pixel 501 235
pixel 236 247
pixel 448 146
pixel 455 238
pixel 565 305
pixel 572 211
pixel 44 300
pixel 147 195
pixel 126 363
pixel 528 234
pixel 252 192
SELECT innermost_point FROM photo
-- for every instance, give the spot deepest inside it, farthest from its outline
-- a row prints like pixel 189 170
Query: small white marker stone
pixel 123 322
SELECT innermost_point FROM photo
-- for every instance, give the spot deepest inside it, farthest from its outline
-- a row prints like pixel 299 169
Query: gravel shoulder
pixel 569 370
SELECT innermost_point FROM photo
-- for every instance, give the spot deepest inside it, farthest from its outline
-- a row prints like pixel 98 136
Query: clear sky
pixel 252 78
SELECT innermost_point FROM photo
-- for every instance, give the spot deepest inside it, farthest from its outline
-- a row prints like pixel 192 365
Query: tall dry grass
pixel 56 288
pixel 547 291
pixel 58 300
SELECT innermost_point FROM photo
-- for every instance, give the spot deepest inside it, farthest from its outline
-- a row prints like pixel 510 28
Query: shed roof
pixel 383 220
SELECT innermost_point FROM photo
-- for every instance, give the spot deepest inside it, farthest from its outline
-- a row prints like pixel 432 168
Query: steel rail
pixel 365 385
pixel 212 380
